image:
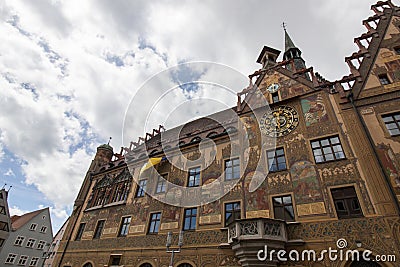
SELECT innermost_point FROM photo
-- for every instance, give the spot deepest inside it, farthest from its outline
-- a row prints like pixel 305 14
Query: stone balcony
pixel 248 236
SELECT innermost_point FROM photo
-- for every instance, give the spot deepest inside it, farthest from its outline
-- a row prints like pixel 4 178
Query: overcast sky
pixel 69 68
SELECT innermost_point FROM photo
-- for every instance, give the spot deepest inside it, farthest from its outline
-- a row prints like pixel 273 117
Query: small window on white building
pixel 11 258
pixel 43 229
pixel 22 260
pixel 31 242
pixel 34 262
pixel 19 240
pixel 41 244
pixel 33 227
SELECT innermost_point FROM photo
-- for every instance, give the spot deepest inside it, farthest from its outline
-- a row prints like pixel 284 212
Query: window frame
pixel 232 168
pixel 30 243
pixel 330 145
pixel 141 189
pixel 33 226
pixel 20 243
pixel 41 244
pixel 190 217
pixel 154 229
pixel 161 180
pixel 124 226
pixel 384 79
pixel 234 211
pixel 43 229
pixel 36 259
pixel 80 231
pixel 283 206
pixel 193 173
pixel 275 98
pixel 275 159
pixel 11 255
pixel 99 229
pixel 351 213
pixel 392 115
pixel 23 258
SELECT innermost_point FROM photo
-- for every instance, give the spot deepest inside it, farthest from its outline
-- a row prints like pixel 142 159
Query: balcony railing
pixel 261 228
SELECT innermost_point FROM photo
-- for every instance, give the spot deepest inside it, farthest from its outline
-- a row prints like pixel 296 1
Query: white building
pixel 30 236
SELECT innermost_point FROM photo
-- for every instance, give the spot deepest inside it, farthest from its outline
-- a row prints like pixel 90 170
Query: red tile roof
pixel 19 221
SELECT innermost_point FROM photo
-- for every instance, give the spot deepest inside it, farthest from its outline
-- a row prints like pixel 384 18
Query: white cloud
pixel 9 172
pixel 14 210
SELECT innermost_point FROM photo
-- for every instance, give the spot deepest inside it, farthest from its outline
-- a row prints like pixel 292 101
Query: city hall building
pixel 316 170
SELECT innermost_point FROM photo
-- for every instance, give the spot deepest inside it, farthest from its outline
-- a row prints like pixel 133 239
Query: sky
pixel 69 70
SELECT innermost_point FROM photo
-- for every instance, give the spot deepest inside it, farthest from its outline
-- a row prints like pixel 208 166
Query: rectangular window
pixel 189 220
pixel 392 123
pixel 33 227
pixel 232 169
pixel 124 228
pixel 327 149
pixel 194 177
pixel 19 240
pixel 384 79
pixel 80 231
pixel 11 258
pixel 283 208
pixel 275 97
pixel 31 242
pixel 2 210
pixel 43 229
pixel 4 226
pixel 99 229
pixel 115 260
pixel 41 244
pixel 22 260
pixel 141 188
pixel 346 202
pixel 232 212
pixel 34 262
pixel 161 184
pixel 276 160
pixel 155 220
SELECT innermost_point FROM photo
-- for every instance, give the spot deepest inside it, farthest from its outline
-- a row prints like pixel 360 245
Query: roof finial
pixel 284 26
pixel 109 140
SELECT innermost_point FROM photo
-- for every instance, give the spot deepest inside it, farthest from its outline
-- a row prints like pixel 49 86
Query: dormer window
pixel 384 79
pixel 275 97
pixel 397 50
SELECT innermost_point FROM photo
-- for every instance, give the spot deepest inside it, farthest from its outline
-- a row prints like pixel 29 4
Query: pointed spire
pixel 293 53
pixel 288 42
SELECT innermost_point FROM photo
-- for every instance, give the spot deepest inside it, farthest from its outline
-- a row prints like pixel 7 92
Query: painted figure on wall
pixel 390 164
pixel 314 109
pixel 306 186
pixel 393 68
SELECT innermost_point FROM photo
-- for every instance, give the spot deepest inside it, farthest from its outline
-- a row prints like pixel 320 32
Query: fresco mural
pixel 389 162
pixel 306 186
pixel 393 68
pixel 314 109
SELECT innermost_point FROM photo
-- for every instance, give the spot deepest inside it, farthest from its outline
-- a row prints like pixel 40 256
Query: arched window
pixel 196 139
pixel 146 265
pixel 87 265
pixel 185 265
pixel 230 129
pixel 212 134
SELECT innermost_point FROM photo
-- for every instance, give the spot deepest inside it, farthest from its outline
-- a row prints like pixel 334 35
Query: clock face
pixel 279 122
pixel 273 88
